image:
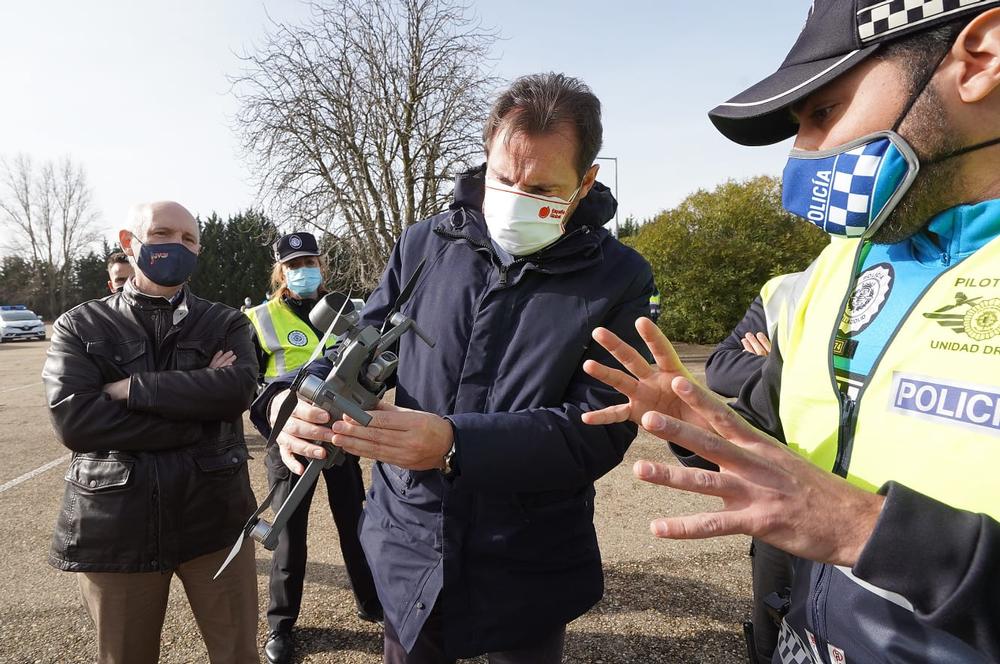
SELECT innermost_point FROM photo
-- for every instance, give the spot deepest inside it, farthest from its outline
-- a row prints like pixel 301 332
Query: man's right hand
pixel 649 386
pixel 306 424
pixel 222 360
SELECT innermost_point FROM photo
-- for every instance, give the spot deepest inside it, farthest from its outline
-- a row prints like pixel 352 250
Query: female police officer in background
pixel 285 339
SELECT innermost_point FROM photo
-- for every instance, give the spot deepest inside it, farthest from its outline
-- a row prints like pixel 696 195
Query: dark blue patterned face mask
pixel 168 264
pixel 849 190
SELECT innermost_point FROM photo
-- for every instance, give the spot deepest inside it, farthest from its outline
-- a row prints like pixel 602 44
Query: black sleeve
pixel 945 561
pixel 85 418
pixel 202 394
pixel 729 365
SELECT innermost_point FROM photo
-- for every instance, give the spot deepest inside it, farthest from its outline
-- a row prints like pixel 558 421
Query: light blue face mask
pixel 851 189
pixel 303 281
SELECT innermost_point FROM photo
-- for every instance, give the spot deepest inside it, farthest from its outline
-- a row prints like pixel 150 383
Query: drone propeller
pixel 405 294
pixel 247 528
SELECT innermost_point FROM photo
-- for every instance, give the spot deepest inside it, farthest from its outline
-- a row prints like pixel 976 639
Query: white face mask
pixel 523 223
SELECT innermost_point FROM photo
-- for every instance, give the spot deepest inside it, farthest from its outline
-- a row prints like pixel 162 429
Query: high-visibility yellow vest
pixel 929 413
pixel 285 338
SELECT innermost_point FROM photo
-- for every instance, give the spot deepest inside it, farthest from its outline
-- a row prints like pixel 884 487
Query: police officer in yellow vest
pixel 285 339
pixel 884 383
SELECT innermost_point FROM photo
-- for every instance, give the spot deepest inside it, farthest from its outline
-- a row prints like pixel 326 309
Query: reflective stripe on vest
pixel 284 337
pixel 929 413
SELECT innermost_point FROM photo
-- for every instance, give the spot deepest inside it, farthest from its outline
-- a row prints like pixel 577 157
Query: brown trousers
pixel 128 609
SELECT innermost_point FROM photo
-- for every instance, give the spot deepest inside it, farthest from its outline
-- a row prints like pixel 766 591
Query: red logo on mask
pixel 544 212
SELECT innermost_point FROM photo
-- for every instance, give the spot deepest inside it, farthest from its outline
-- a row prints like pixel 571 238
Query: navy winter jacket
pixel 506 545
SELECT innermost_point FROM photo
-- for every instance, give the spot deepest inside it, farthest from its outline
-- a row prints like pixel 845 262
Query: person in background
pixel 654 305
pixel 147 387
pixel 285 339
pixel 119 271
pixel 744 350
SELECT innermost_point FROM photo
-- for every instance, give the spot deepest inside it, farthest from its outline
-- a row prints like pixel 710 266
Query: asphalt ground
pixel 664 601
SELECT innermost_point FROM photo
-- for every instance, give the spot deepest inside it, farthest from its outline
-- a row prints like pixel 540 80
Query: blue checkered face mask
pixel 851 189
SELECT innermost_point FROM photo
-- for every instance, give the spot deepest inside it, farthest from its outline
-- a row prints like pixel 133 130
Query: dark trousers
pixel 345 493
pixel 772 573
pixel 429 648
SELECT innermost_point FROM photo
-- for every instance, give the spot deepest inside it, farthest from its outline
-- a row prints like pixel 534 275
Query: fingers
pixel 609 415
pixel 704 443
pixel 721 417
pixel 297 435
pixel 746 345
pixel 699 526
pixel 629 357
pixel 222 359
pixel 290 460
pixel 663 352
pixel 397 419
pixel 381 436
pixel 752 344
pixel 310 413
pixel 615 378
pixel 765 343
pixel 688 479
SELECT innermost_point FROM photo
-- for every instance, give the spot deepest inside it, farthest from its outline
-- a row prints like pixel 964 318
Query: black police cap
pixel 294 245
pixel 838 34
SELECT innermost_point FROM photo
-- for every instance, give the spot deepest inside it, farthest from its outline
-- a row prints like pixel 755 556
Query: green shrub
pixel 713 252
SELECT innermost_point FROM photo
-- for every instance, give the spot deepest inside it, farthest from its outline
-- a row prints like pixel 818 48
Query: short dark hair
pixel 919 51
pixel 117 257
pixel 540 103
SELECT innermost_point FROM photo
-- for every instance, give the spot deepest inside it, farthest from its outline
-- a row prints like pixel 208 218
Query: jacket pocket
pixel 195 354
pixel 222 461
pixel 105 517
pixel 119 359
pixel 94 475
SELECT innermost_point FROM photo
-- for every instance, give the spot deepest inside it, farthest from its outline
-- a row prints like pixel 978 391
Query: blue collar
pixel 957 232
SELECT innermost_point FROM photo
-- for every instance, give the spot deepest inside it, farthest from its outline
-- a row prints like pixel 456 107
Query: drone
pixel 356 383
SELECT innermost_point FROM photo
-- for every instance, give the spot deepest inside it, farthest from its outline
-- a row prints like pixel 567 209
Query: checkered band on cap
pixel 892 16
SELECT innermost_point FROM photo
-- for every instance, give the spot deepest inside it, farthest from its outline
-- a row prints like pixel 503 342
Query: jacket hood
pixel 596 209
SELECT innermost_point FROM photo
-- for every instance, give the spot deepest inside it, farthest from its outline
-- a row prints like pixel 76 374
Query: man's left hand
pixel 767 490
pixel 118 390
pixel 406 438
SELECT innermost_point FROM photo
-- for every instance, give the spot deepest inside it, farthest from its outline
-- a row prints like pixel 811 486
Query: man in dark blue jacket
pixel 479 523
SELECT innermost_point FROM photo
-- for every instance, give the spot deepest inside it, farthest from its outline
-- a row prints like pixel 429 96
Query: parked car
pixel 18 322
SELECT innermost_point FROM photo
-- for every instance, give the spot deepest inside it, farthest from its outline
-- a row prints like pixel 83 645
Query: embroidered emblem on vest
pixel 297 338
pixel 870 293
pixel 975 317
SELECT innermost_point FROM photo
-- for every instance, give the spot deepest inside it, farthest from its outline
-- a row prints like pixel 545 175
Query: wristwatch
pixel 449 460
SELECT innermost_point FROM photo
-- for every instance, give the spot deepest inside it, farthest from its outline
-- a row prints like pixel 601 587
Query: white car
pixel 17 322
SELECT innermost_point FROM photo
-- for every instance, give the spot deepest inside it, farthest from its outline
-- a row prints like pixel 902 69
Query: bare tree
pixel 49 211
pixel 358 120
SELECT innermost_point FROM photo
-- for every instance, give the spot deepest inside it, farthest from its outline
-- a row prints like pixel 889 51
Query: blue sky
pixel 137 91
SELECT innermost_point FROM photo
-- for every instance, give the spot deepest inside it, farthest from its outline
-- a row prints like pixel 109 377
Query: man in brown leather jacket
pixel 147 387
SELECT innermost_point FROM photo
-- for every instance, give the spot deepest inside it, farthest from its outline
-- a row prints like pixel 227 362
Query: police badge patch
pixel 870 293
pixel 297 338
pixel 295 242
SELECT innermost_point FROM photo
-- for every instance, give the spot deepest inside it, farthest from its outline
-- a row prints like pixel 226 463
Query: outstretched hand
pixel 649 386
pixel 767 490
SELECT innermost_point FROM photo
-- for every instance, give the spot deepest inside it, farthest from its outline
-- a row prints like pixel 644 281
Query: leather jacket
pixel 160 478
